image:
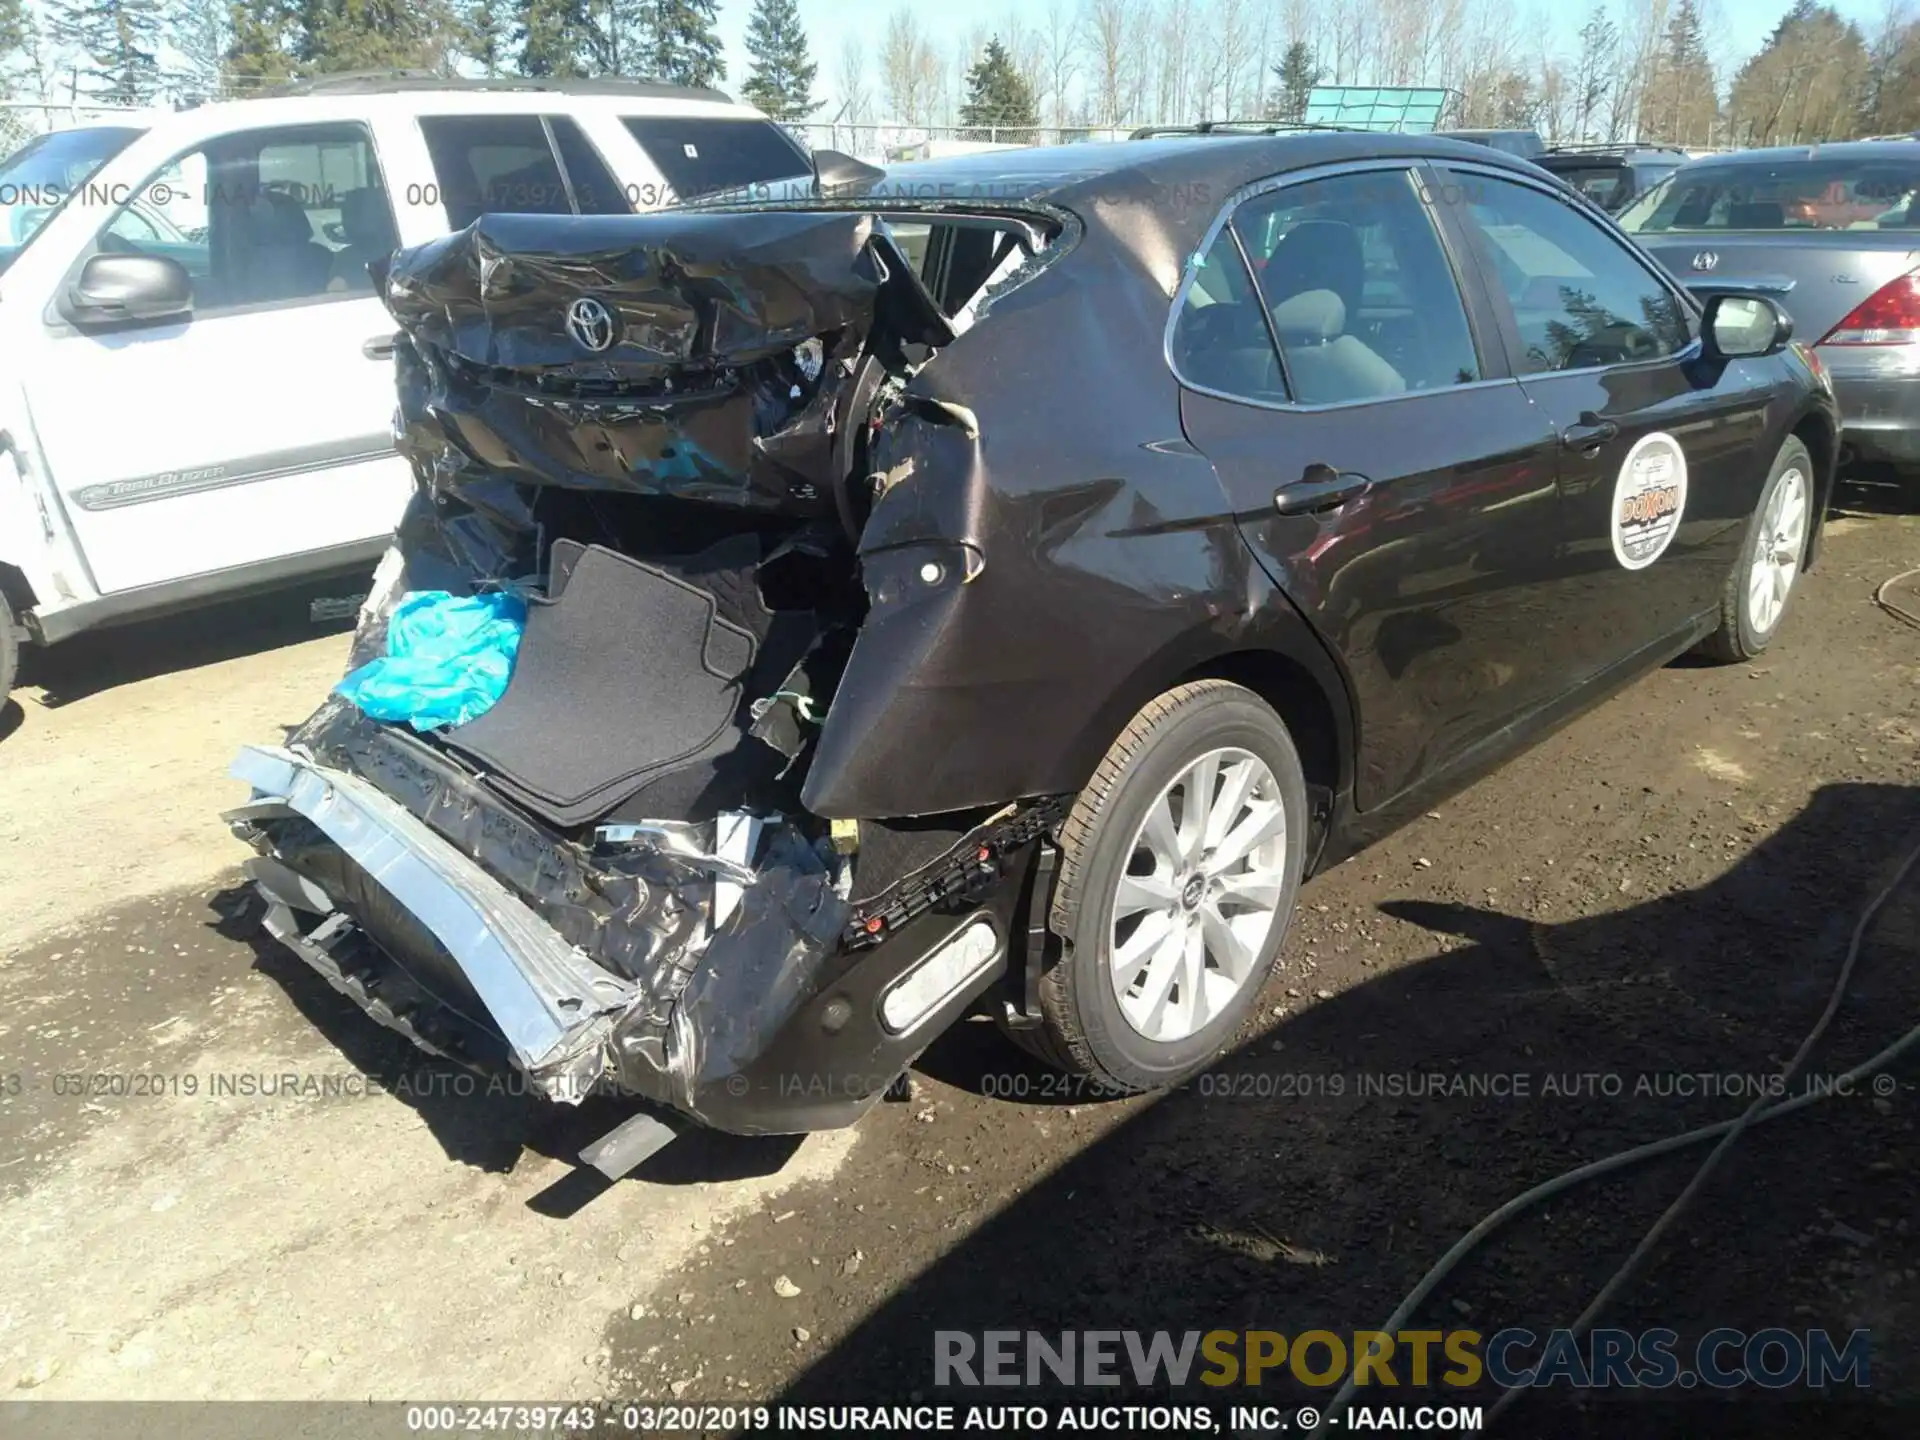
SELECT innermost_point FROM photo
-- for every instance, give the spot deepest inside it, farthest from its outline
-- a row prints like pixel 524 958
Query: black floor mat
pixel 626 674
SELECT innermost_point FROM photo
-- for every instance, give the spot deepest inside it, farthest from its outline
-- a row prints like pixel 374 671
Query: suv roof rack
pixel 1247 127
pixel 1612 147
pixel 394 82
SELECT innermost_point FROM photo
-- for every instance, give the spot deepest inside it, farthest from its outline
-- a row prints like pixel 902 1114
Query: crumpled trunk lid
pixel 698 356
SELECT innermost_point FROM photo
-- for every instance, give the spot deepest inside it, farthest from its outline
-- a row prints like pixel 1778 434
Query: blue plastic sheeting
pixel 448 660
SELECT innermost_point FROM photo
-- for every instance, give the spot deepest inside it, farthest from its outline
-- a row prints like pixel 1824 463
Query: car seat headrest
pixel 1312 317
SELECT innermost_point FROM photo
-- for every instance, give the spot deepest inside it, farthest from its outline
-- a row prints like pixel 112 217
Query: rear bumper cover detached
pixel 773 1027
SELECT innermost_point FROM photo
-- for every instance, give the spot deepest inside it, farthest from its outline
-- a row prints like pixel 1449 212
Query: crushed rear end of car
pixel 669 861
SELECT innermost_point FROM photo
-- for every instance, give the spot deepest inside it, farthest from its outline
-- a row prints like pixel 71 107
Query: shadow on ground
pixel 101 660
pixel 482 1121
pixel 1294 1187
pixel 1875 490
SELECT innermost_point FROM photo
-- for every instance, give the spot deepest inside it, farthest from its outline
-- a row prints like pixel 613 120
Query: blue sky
pixel 1738 26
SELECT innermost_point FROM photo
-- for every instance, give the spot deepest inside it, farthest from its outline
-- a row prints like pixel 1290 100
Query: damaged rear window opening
pixel 668 434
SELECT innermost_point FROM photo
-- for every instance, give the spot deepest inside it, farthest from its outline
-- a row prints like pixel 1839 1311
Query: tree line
pixel 1653 70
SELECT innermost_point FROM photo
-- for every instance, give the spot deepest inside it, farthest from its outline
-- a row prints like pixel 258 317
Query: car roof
pixel 318 103
pixel 1838 150
pixel 1142 170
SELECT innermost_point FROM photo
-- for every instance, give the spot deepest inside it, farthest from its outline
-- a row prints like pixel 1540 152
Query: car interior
pixel 1338 279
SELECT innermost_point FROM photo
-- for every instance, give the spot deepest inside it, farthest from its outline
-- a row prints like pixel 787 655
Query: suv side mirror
pixel 1744 327
pixel 116 289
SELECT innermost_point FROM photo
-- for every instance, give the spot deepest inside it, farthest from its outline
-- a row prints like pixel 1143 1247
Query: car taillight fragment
pixel 1889 316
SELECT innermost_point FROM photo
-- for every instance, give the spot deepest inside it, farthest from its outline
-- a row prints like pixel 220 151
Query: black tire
pixel 1738 638
pixel 1084 1030
pixel 9 651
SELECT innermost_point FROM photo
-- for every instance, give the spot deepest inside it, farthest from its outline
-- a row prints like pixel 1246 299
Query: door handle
pixel 1590 434
pixel 380 347
pixel 1319 489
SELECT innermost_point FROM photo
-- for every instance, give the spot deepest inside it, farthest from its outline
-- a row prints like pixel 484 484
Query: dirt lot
pixel 1663 890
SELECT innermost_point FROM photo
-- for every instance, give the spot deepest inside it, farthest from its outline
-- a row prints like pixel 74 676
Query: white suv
pixel 195 399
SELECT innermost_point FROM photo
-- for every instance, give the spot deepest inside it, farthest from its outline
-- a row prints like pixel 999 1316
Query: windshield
pixel 1806 194
pixel 37 179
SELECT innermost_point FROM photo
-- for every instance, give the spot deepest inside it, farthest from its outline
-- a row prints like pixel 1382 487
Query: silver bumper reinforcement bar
pixel 555 1007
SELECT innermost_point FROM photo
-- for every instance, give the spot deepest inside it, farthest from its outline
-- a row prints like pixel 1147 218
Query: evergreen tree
pixel 999 103
pixel 1297 74
pixel 13 34
pixel 337 35
pixel 198 31
pixel 682 47
pixel 483 36
pixel 120 40
pixel 782 80
pixel 260 42
pixel 551 35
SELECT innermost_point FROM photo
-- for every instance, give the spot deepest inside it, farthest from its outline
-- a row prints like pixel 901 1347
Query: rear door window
pixel 493 164
pixel 1358 288
pixel 595 191
pixel 701 154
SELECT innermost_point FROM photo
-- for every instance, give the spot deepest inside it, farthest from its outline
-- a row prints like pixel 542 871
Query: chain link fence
pixel 884 142
pixel 24 120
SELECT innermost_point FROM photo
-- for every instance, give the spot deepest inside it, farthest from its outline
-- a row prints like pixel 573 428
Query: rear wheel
pixel 1179 866
pixel 1770 560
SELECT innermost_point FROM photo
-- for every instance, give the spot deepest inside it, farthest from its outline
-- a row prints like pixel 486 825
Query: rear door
pixel 259 427
pixel 1388 474
pixel 1659 462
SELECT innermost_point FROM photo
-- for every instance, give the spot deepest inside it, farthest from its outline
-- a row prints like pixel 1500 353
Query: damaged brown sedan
pixel 991 586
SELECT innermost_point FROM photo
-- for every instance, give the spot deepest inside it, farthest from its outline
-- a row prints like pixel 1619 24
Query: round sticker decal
pixel 1648 500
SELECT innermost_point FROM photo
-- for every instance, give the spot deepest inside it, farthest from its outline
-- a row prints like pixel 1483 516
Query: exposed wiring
pixel 1898 612
pixel 1729 1132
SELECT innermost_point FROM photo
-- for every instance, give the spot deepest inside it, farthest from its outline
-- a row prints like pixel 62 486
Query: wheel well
pixel 15 590
pixel 1291 689
pixel 1818 436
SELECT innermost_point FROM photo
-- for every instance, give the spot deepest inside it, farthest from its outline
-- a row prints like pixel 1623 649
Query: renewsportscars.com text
pixel 1772 1359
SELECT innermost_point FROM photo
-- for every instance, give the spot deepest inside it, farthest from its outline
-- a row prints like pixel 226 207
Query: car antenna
pixel 835 171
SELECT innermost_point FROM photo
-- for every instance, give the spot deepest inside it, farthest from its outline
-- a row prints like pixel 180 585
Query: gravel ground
pixel 1663 890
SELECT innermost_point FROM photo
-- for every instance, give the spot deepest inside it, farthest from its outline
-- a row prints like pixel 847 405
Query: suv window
pixel 488 164
pixel 1357 288
pixel 264 217
pixel 1580 298
pixel 595 191
pixel 699 154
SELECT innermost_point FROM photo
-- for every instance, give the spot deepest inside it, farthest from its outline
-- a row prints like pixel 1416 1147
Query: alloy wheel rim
pixel 1198 895
pixel 1776 552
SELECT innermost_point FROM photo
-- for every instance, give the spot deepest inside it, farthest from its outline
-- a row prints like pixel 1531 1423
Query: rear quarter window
pixel 701 154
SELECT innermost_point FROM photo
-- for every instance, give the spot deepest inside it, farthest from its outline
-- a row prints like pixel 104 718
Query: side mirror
pixel 118 289
pixel 1745 327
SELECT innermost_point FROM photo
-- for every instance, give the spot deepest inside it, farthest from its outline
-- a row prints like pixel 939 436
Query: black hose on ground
pixel 1763 1109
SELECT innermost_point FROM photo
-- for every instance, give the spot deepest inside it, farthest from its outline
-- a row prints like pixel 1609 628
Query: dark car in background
pixel 1612 176
pixel 1832 234
pixel 1009 630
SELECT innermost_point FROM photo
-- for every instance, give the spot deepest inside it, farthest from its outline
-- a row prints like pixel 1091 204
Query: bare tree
pixel 1115 38
pixel 1060 44
pixel 1027 48
pixel 850 80
pixel 909 70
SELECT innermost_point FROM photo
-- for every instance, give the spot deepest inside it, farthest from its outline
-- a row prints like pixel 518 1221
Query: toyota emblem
pixel 1705 260
pixel 590 322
